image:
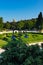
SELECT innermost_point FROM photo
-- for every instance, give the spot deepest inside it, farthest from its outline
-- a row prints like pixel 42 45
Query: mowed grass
pixel 4 39
pixel 2 43
pixel 32 37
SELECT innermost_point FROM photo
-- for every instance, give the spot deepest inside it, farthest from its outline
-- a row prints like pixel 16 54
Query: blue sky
pixel 20 9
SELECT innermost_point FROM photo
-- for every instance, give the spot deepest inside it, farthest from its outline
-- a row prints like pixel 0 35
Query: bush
pixel 5 38
pixel 18 53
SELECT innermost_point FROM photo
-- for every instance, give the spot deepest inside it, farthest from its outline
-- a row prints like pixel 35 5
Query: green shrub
pixel 18 53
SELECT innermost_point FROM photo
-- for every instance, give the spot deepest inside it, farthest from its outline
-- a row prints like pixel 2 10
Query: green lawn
pixel 32 37
pixel 2 43
pixel 4 39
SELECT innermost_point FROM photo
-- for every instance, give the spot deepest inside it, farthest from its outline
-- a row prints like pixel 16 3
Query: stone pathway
pixel 1 50
pixel 39 43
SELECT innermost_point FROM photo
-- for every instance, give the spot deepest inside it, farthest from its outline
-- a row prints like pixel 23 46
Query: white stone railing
pixel 18 31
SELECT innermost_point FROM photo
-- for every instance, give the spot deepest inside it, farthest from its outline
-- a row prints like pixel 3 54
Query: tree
pixel 7 25
pixel 20 25
pixel 26 25
pixel 1 23
pixel 42 24
pixel 39 21
pixel 13 25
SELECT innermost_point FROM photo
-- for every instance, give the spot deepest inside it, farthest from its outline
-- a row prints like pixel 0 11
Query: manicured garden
pixel 25 37
pixel 33 37
pixel 17 52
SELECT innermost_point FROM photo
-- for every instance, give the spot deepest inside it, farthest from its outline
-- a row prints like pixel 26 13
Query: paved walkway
pixel 6 32
pixel 39 43
pixel 1 50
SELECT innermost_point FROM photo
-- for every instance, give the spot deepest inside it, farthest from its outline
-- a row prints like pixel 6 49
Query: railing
pixel 18 31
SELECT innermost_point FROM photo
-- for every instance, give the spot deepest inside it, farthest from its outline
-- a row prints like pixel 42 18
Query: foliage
pixel 32 24
pixel 18 53
pixel 39 22
pixel 7 25
pixel 1 23
pixel 20 25
pixel 25 37
pixel 13 25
